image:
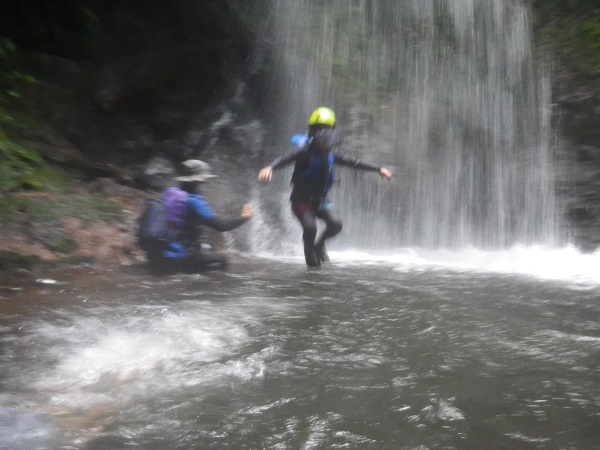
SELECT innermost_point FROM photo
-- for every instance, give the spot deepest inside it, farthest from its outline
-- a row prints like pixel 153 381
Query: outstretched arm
pixel 354 163
pixel 230 224
pixel 266 173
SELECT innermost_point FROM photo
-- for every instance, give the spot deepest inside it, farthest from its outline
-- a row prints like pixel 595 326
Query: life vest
pixel 315 170
pixel 310 176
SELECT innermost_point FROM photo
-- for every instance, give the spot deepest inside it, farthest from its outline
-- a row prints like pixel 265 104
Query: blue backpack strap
pixel 330 175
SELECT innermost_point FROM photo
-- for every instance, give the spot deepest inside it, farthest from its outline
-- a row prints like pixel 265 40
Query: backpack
pixel 299 140
pixel 162 220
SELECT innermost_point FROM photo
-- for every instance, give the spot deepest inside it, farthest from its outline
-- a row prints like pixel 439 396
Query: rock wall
pixel 567 36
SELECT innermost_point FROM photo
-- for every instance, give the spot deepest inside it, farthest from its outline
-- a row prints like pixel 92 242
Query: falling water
pixel 444 92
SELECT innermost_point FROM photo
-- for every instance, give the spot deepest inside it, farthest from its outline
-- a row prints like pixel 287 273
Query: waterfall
pixel 444 92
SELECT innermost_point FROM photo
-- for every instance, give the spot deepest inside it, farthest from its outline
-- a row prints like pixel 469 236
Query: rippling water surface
pixel 404 351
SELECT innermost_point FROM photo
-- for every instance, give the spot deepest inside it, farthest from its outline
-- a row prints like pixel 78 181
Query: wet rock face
pixel 577 97
pixel 79 230
pixel 566 36
pixel 577 125
pixel 579 191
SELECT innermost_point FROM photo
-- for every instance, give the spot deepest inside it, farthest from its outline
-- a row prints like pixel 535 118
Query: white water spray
pixel 444 91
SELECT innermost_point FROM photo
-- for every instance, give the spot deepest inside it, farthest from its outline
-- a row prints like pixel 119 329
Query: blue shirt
pixel 199 212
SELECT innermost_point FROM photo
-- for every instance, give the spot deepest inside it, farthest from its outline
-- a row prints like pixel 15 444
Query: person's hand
pixel 265 174
pixel 247 211
pixel 385 173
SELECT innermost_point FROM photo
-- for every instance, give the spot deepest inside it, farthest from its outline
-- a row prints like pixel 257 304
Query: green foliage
pixel 62 244
pixel 10 75
pixel 56 207
pixel 583 37
pixel 12 260
pixel 574 26
pixel 20 167
pixel 591 32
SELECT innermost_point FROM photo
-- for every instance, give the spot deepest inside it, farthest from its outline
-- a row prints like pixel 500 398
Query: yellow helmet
pixel 322 116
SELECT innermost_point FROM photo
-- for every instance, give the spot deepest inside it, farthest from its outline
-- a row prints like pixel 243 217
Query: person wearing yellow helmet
pixel 313 177
pixel 322 116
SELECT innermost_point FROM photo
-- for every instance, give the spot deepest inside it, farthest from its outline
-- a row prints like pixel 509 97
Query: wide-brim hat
pixel 195 170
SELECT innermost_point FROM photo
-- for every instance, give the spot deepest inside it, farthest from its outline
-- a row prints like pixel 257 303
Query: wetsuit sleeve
pixel 207 216
pixel 354 163
pixel 225 224
pixel 286 159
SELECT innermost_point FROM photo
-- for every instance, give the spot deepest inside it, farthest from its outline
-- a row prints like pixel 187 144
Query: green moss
pixel 21 167
pixel 11 261
pixel 56 207
pixel 574 28
pixel 62 244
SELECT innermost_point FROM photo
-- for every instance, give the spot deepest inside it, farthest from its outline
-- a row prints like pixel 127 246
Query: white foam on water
pixel 577 269
pixel 566 264
pixel 111 357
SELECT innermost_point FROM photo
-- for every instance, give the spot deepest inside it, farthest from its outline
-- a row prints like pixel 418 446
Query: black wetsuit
pixel 312 179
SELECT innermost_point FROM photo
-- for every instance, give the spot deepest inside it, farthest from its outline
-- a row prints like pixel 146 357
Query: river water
pixel 404 350
pixel 407 349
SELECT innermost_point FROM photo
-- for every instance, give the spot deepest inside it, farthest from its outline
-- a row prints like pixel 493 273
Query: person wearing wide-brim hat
pixel 187 212
pixel 195 171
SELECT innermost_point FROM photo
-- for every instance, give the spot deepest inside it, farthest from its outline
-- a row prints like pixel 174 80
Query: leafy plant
pixel 49 208
pixel 575 26
pixel 23 168
pixel 20 167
